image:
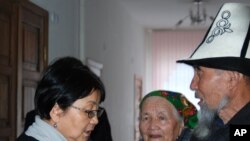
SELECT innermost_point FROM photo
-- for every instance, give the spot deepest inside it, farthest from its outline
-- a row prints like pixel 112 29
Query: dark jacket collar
pixel 241 117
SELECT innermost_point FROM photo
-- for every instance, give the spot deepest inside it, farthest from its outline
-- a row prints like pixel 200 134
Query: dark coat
pixel 102 131
pixel 24 137
pixel 185 135
pixel 221 132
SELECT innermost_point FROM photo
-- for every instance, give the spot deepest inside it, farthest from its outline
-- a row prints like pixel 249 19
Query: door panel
pixel 32 57
pixel 23 56
pixel 5 39
pixel 7 72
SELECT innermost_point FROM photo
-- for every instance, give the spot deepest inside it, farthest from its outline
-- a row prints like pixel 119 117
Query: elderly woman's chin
pixel 157 137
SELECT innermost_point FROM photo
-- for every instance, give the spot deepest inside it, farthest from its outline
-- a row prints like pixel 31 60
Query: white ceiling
pixel 161 14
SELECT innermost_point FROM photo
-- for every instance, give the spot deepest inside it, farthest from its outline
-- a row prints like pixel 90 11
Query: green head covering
pixel 185 108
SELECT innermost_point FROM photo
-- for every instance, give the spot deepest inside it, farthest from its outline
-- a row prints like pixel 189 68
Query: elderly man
pixel 222 74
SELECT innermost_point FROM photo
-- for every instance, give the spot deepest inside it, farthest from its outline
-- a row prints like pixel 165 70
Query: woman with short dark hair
pixel 66 100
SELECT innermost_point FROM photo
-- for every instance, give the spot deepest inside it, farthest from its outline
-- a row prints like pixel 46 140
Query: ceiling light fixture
pixel 197 14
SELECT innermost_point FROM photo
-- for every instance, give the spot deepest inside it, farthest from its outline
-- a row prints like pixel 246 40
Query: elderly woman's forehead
pixel 156 100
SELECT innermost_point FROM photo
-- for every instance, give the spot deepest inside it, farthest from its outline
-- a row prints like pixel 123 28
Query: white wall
pixel 112 38
pixel 64 27
pixel 115 40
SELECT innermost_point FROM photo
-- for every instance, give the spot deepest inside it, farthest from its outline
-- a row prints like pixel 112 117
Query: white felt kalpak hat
pixel 226 43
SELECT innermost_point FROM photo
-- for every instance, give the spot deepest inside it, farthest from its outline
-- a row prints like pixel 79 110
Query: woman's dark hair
pixel 63 82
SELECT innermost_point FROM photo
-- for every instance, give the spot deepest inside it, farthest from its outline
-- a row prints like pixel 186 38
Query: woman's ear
pixel 55 113
pixel 181 128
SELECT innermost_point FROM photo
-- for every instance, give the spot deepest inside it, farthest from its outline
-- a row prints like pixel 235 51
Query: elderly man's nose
pixel 194 83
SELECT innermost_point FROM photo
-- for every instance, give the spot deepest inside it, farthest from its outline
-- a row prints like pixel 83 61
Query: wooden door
pixel 8 29
pixel 32 56
pixel 23 56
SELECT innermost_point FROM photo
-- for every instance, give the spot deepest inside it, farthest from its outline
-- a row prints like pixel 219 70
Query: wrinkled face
pixel 210 86
pixel 74 123
pixel 158 122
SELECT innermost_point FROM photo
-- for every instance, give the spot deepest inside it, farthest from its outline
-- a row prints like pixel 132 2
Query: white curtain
pixel 166 47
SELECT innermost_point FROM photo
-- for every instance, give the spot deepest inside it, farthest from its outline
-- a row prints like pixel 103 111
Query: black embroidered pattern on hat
pixel 222 26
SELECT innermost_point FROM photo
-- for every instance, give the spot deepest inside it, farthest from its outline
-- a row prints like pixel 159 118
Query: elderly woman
pixel 66 100
pixel 166 116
